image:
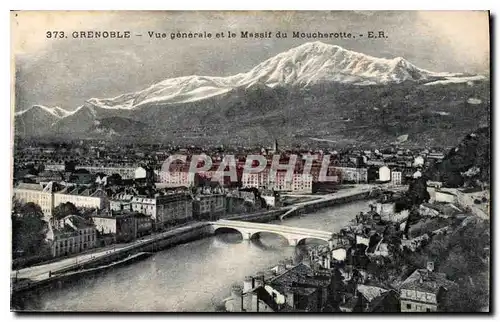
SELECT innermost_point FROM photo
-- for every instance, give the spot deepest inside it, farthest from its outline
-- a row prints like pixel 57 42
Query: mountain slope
pixel 313 90
pixel 38 119
pixel 309 64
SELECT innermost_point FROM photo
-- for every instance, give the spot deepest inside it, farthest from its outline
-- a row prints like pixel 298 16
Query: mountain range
pixel 313 90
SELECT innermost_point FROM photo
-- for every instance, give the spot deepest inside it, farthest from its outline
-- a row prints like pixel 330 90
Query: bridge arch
pixel 223 230
pixel 312 240
pixel 258 234
pixel 251 230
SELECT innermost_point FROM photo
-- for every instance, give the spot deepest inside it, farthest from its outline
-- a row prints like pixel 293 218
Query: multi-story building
pixel 384 173
pixel 177 178
pixel 298 288
pixel 41 194
pixel 424 290
pixel 54 166
pixel 50 195
pixel 302 183
pixel 251 180
pixel 163 209
pixel 280 181
pixel 71 235
pixel 82 197
pixel 298 182
pixel 144 225
pixel 355 175
pixel 396 177
pixel 209 205
pixel 123 227
pixel 121 201
pixel 124 172
pixel 49 176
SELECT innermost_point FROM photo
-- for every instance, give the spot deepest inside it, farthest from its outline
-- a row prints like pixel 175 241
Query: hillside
pixel 469 162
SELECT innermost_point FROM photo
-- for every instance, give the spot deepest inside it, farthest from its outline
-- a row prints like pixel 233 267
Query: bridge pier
pixel 246 236
pixel 292 242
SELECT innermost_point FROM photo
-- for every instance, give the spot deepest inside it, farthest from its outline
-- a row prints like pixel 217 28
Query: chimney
pixel 259 279
pixel 248 284
pixel 237 296
pixel 424 275
pixel 430 266
pixel 255 303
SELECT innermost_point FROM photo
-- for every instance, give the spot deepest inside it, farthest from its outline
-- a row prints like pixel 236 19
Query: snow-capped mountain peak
pixel 54 111
pixel 308 64
pixel 300 67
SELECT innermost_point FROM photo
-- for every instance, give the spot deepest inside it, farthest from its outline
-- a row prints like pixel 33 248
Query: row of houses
pixel 50 195
pixel 130 172
pixel 162 208
pixel 129 217
pixel 297 182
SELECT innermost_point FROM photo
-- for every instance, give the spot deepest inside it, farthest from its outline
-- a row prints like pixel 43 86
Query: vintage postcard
pixel 251 161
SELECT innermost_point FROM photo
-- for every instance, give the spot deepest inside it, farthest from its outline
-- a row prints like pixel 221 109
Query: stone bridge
pixel 327 201
pixel 293 235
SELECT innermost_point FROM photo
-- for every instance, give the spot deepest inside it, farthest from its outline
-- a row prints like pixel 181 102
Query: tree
pixel 470 295
pixel 417 191
pixel 64 209
pixel 28 230
pixel 16 205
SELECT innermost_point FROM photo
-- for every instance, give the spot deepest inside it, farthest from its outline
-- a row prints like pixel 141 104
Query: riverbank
pixel 62 277
pixel 152 243
pixel 171 238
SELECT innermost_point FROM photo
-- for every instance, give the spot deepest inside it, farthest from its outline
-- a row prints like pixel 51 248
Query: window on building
pixel 428 310
pixel 408 306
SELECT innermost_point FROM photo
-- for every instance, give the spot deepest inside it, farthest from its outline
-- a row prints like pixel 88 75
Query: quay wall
pixel 86 268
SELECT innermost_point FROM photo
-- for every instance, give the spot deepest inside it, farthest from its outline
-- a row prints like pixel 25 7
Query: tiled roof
pixel 424 280
pixel 30 186
pixel 370 292
pixel 77 221
pixel 299 279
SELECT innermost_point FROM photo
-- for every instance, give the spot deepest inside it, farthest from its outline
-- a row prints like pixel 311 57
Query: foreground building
pixel 124 227
pixel 71 235
pixel 294 289
pixel 424 290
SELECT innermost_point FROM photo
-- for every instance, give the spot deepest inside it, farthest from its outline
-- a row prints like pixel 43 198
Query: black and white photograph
pixel 251 161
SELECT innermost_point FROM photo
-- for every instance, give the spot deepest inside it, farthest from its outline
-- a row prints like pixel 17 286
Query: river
pixel 195 276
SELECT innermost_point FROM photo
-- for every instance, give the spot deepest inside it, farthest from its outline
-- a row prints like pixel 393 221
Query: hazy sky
pixel 66 72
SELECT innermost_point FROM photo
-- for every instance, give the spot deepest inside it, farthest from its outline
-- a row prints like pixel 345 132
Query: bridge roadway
pixel 360 189
pixel 294 235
